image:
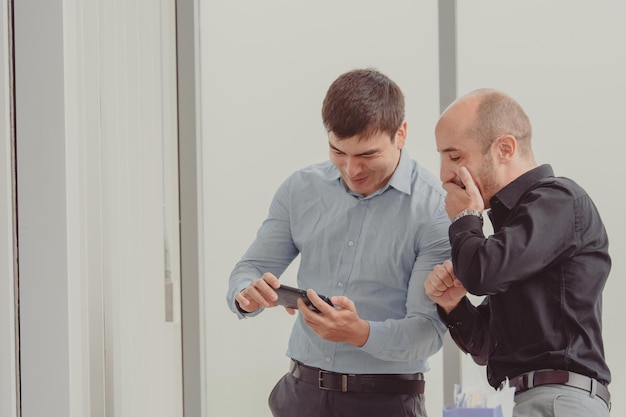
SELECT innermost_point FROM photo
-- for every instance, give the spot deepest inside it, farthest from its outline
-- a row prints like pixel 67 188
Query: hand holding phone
pixel 288 297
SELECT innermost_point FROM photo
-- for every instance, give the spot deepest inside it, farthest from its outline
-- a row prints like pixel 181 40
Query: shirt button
pixel 350 243
pixel 340 285
pixel 327 359
pixel 362 202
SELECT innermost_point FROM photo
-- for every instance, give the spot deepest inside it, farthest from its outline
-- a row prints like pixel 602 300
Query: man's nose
pixel 446 174
pixel 353 166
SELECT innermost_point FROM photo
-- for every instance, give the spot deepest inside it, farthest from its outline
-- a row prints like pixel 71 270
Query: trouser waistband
pixel 412 384
pixel 534 379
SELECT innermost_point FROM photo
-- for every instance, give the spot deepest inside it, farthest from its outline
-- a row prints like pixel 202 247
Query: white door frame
pixel 8 338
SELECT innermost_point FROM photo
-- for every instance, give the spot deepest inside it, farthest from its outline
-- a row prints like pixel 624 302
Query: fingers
pixel 290 310
pixel 318 302
pixel 340 323
pixel 443 287
pixel 440 280
pixel 328 312
pixel 447 265
pixel 260 293
pixel 462 193
pixel 466 178
pixel 271 280
pixel 472 191
pixel 339 301
pixel 442 277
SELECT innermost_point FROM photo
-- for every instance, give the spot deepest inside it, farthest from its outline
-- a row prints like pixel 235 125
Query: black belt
pixel 534 379
pixel 379 383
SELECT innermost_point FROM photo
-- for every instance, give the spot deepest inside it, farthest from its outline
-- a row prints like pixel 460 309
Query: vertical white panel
pixel 191 213
pixel 77 291
pixel 8 385
pixel 60 309
pixel 139 193
pixel 42 227
pixel 84 228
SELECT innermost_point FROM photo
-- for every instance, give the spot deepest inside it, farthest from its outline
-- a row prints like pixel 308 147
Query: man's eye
pixel 455 158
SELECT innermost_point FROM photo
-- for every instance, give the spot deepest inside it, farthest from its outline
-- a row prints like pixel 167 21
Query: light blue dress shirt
pixel 376 250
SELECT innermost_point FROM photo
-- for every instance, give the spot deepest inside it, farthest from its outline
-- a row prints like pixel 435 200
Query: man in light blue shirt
pixel 369 225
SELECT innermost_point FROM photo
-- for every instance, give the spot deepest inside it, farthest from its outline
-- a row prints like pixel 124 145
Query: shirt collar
pixel 400 180
pixel 510 195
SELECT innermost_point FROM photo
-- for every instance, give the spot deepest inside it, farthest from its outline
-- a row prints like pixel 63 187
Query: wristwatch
pixel 469 212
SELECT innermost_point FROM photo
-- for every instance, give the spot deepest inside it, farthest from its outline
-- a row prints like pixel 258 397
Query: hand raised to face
pixel 463 196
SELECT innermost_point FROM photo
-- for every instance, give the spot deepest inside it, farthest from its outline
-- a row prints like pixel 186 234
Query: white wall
pixel 565 62
pixel 265 69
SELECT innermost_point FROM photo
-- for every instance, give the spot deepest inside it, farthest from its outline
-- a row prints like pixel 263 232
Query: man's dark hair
pixel 363 103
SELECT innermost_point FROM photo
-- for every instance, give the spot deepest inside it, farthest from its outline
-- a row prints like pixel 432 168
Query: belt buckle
pixel 528 380
pixel 320 381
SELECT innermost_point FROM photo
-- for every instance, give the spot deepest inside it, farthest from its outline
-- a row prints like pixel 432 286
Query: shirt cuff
pixel 376 340
pixel 454 319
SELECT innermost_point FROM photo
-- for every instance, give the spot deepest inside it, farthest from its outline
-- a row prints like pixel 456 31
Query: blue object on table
pixel 452 411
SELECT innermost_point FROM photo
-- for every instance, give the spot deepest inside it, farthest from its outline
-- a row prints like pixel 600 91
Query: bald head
pixel 486 114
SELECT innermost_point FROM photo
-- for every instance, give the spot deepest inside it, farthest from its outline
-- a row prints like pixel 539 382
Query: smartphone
pixel 288 297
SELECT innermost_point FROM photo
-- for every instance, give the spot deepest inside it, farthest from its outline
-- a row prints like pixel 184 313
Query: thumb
pixel 342 302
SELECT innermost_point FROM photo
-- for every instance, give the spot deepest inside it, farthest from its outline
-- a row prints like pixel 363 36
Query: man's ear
pixel 401 135
pixel 506 147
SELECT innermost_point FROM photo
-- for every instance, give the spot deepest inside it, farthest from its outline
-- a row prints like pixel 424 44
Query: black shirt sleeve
pixel 468 326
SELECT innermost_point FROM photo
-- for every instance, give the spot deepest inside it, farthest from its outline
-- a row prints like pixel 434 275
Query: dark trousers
pixel 294 398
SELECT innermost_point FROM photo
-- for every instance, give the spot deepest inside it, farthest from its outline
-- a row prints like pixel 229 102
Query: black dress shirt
pixel 542 272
